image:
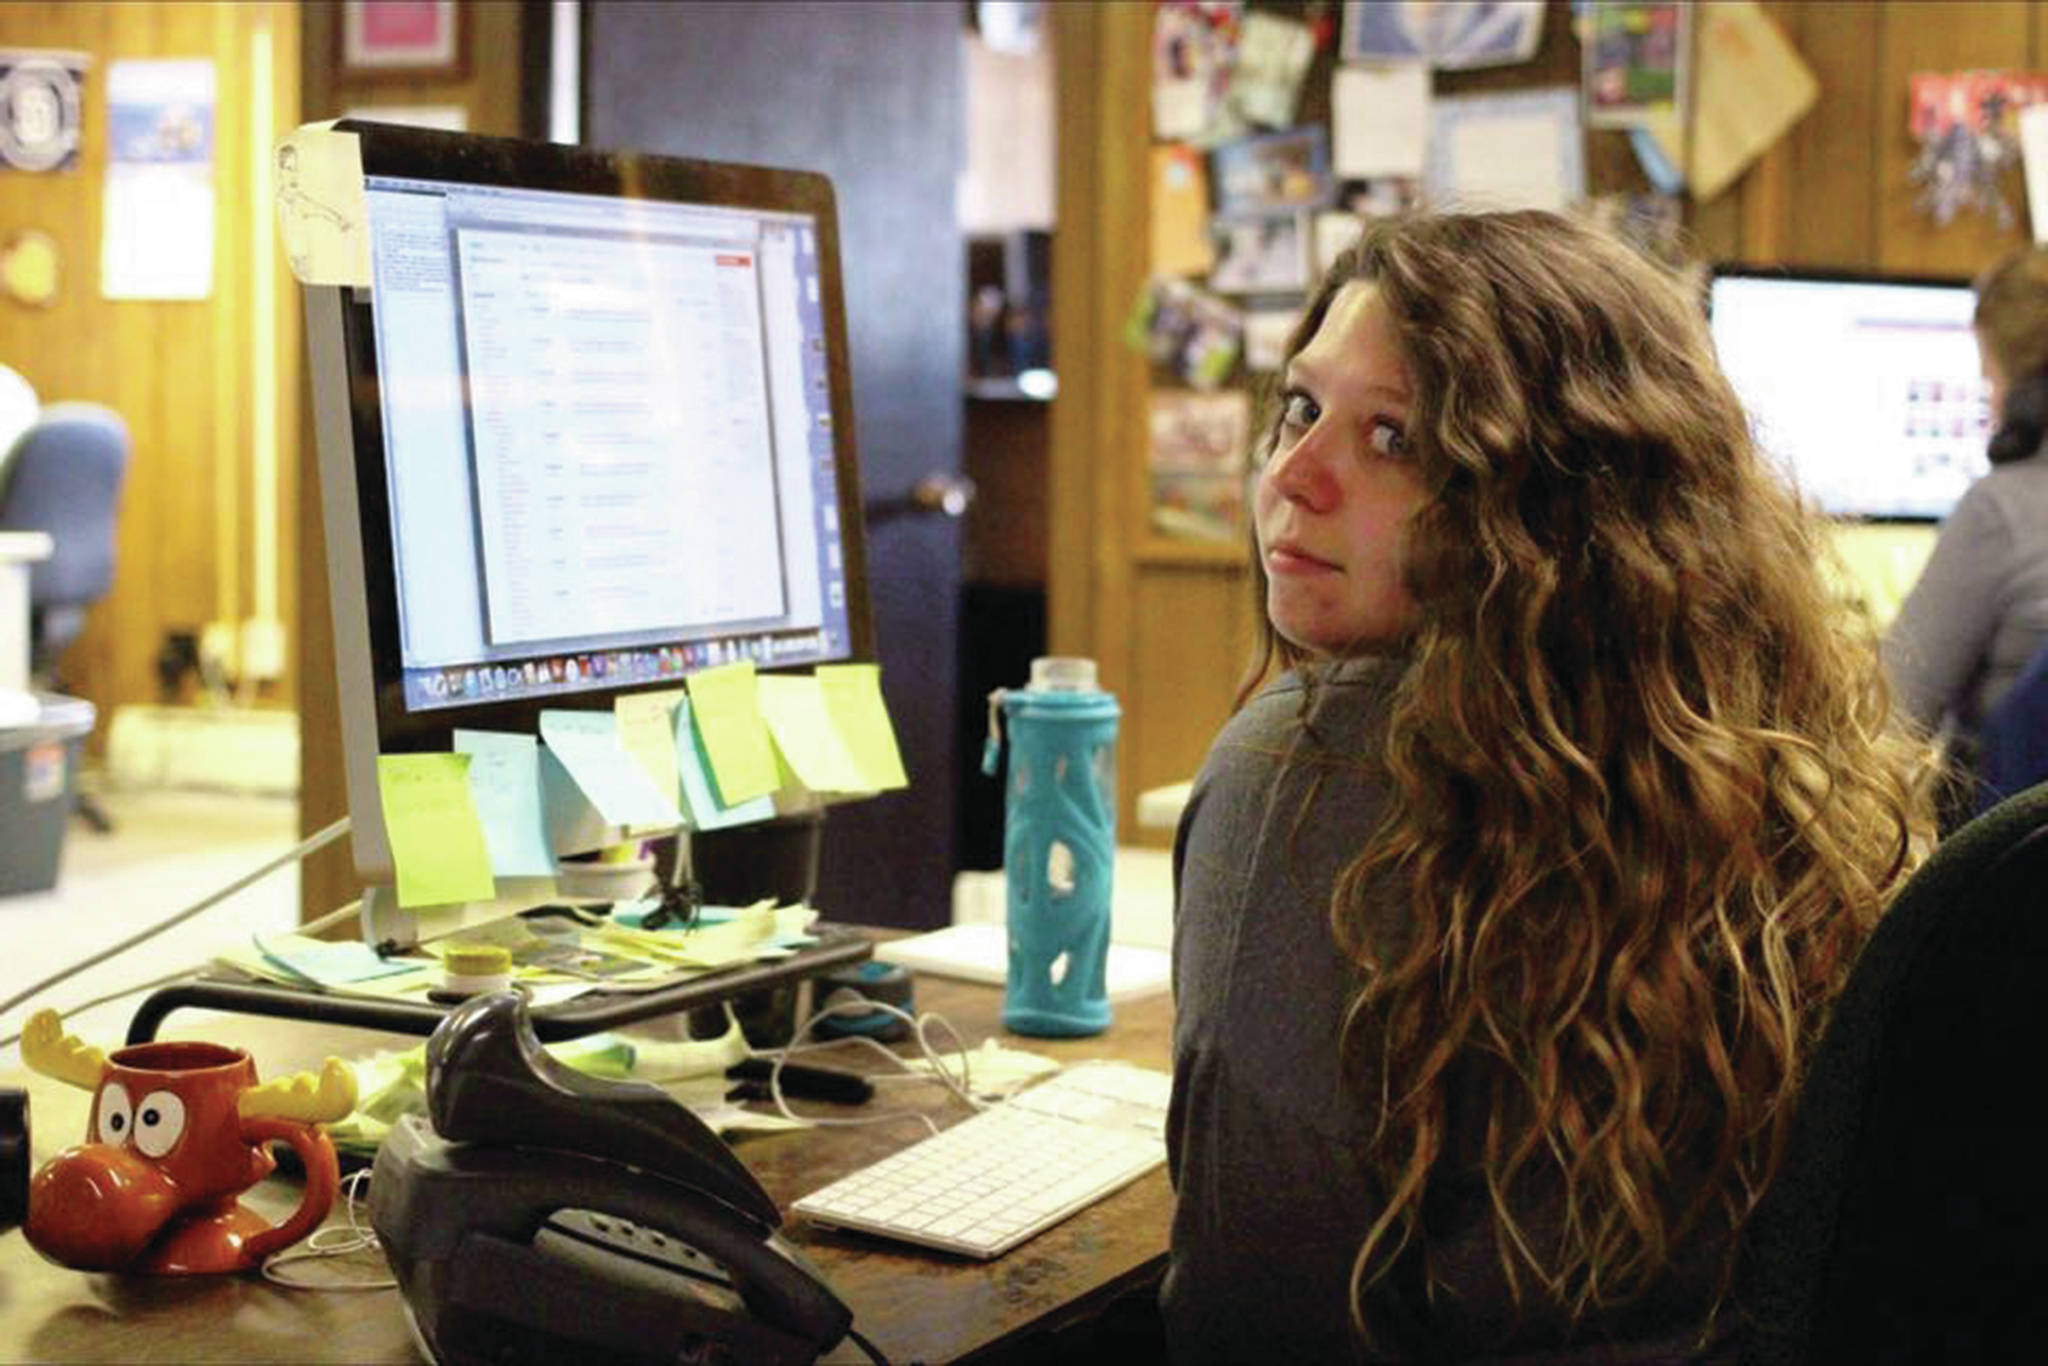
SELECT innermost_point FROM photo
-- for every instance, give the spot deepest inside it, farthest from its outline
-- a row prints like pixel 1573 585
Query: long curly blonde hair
pixel 1649 796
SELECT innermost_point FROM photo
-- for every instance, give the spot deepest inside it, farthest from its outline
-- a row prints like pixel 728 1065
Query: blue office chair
pixel 1909 1219
pixel 63 476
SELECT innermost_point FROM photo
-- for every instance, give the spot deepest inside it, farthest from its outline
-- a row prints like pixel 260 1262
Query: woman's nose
pixel 1301 473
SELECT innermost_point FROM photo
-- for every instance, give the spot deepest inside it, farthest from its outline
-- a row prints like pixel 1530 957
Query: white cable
pixel 296 852
pixel 332 1242
pixel 847 1004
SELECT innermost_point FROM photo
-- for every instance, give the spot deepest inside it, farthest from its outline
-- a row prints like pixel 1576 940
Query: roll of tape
pixel 886 983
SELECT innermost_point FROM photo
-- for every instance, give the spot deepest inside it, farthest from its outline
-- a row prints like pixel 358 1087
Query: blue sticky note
pixel 693 765
pixel 587 743
pixel 504 778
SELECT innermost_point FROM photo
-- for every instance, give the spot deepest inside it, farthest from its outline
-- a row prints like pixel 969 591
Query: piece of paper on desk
pixel 981 953
pixel 853 697
pixel 323 218
pixel 504 781
pixel 437 842
pixel 794 707
pixel 587 743
pixel 1379 120
pixel 725 703
pixel 647 731
pixel 329 962
pixel 991 1069
pixel 700 801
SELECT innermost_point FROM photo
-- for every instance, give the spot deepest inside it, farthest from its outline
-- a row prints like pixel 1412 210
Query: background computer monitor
pixel 587 430
pixel 1867 391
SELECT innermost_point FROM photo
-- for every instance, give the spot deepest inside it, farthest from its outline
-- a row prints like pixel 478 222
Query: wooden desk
pixel 915 1306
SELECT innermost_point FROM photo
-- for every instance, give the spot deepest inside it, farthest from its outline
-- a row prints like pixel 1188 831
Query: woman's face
pixel 1995 376
pixel 1339 484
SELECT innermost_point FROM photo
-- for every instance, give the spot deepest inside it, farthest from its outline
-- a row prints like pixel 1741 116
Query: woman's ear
pixel 2020 434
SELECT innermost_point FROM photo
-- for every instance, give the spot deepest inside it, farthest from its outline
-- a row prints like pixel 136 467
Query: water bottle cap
pixel 1058 673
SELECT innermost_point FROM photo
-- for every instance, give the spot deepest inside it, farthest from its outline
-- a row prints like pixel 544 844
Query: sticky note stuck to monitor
pixel 725 703
pixel 647 731
pixel 693 765
pixel 437 842
pixel 323 218
pixel 853 699
pixel 587 743
pixel 504 780
pixel 794 706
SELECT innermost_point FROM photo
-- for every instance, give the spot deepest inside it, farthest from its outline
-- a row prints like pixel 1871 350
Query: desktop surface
pixel 914 1305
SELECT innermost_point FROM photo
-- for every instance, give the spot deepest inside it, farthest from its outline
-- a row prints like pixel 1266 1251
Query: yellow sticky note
pixel 853 699
pixel 437 840
pixel 794 707
pixel 647 731
pixel 726 704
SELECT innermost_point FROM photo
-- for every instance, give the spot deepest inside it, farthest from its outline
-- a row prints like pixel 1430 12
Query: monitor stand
pixel 733 859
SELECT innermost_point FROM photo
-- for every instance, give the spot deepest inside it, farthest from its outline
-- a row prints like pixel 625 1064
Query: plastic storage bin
pixel 38 788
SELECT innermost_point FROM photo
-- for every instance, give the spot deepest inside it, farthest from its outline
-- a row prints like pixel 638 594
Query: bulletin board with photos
pixel 1280 129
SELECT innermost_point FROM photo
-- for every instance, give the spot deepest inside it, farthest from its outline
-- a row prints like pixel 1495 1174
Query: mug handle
pixel 323 1180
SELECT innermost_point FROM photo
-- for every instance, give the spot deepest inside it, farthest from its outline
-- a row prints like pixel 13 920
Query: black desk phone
pixel 546 1216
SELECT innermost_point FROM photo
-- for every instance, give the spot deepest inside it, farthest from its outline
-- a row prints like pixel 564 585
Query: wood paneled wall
pixel 1171 623
pixel 183 374
pixel 490 97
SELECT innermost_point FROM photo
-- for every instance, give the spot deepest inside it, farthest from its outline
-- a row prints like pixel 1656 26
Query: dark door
pixel 871 94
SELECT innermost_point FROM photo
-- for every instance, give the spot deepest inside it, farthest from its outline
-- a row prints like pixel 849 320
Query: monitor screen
pixel 1867 392
pixel 587 429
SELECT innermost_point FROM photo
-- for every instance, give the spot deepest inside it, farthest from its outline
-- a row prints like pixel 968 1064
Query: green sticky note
pixel 647 731
pixel 694 766
pixel 853 699
pixel 437 842
pixel 725 702
pixel 794 707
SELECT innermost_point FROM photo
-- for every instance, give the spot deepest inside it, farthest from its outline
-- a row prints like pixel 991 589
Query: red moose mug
pixel 178 1131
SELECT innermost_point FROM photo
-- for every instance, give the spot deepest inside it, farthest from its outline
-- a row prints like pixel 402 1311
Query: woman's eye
pixel 1387 440
pixel 1298 412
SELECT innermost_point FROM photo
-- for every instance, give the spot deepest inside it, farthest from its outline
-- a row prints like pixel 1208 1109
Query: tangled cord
pixel 332 1242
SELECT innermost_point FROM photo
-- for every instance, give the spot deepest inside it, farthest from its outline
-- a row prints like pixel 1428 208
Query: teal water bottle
pixel 1059 846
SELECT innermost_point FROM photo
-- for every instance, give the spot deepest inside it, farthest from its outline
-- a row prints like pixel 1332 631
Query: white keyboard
pixel 1012 1171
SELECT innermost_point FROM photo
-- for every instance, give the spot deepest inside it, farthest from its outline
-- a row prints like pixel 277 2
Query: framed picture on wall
pixel 408 40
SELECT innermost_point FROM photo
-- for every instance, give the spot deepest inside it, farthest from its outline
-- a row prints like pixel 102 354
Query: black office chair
pixel 1909 1221
pixel 63 476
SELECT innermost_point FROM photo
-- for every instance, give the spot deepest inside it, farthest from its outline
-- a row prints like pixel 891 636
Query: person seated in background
pixel 1509 906
pixel 1978 614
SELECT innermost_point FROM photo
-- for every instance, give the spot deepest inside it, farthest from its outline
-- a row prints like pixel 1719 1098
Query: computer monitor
pixel 1867 391
pixel 587 429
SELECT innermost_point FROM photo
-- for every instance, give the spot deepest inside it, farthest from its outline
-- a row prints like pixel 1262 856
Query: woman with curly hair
pixel 1508 908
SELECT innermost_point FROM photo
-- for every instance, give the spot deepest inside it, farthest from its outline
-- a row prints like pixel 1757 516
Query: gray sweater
pixel 1264 1129
pixel 1979 610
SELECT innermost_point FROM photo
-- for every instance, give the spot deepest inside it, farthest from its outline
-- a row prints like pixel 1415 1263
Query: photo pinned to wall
pixel 1194 48
pixel 1379 121
pixel 1517 151
pixel 1273 55
pixel 42 104
pixel 1266 330
pixel 1966 126
pixel 1187 330
pixel 1263 253
pixel 1286 170
pixel 1331 234
pixel 1180 211
pixel 1452 35
pixel 157 224
pixel 1197 459
pixel 1635 58
pixel 401 40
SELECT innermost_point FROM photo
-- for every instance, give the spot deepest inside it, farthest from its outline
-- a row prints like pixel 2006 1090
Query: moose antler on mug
pixel 177 1131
